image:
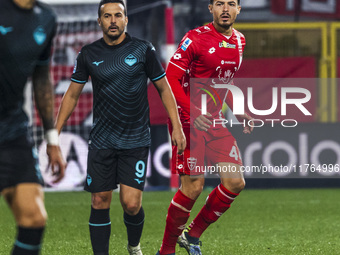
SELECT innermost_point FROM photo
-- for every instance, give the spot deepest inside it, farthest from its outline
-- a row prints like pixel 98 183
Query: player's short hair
pixel 110 1
pixel 212 1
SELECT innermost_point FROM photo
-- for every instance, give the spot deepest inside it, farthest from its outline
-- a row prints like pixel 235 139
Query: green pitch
pixel 305 221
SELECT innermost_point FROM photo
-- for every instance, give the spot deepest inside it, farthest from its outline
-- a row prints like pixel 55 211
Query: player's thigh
pixel 101 171
pixel 225 153
pixel 191 161
pixel 223 149
pixel 26 201
pixel 18 163
pixel 132 167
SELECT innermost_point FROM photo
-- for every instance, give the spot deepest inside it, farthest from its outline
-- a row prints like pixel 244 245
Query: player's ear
pixel 238 9
pixel 210 6
pixel 98 20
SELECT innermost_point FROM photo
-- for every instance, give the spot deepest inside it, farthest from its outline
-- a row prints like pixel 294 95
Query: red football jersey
pixel 204 53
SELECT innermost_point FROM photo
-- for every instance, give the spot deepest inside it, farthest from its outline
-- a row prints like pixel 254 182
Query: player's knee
pixel 101 201
pixel 131 207
pixel 33 218
pixel 193 190
pixel 197 188
pixel 235 185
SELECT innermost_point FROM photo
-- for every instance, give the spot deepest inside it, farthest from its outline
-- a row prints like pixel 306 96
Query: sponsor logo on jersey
pixel 212 50
pixel 39 35
pixel 89 180
pixel 139 181
pixel 5 30
pixel 227 45
pixel 177 56
pixel 225 62
pixel 186 44
pixel 97 63
pixel 191 163
pixel 131 60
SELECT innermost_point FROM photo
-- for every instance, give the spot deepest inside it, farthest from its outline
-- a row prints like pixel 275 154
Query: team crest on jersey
pixel 39 35
pixel 191 163
pixel 89 180
pixel 224 44
pixel 131 60
pixel 186 44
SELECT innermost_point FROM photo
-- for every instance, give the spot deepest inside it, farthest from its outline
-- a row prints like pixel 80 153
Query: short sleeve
pixel 185 53
pixel 44 58
pixel 154 68
pixel 80 72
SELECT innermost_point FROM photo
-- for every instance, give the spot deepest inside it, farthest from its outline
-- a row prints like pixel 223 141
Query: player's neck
pixel 117 41
pixel 25 4
pixel 225 31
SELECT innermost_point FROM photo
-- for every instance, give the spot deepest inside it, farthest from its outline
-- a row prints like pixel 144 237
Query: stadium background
pixel 286 39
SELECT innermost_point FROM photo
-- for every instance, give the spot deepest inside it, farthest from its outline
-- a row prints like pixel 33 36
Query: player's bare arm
pixel 168 99
pixel 43 94
pixel 68 104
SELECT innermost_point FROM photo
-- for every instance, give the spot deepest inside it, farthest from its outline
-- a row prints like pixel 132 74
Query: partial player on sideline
pixel 27 28
pixel 214 54
pixel 119 66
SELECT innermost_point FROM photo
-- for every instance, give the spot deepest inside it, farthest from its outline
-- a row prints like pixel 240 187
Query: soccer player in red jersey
pixel 212 53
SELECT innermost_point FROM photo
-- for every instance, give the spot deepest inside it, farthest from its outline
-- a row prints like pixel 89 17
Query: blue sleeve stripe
pixel 159 77
pixel 27 246
pixel 99 225
pixel 77 81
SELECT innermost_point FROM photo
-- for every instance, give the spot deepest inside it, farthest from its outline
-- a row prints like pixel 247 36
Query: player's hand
pixel 202 122
pixel 56 161
pixel 178 139
pixel 248 120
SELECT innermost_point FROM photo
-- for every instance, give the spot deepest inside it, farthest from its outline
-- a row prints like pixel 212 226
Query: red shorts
pixel 204 149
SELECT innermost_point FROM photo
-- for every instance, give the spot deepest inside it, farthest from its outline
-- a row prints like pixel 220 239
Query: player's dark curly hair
pixel 212 1
pixel 111 1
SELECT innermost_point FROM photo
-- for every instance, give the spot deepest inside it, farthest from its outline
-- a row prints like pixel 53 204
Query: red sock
pixel 178 214
pixel 217 203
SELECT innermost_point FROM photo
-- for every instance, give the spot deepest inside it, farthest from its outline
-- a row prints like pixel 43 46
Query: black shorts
pixel 19 163
pixel 109 167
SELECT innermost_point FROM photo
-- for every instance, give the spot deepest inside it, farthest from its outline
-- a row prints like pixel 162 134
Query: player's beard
pixel 225 25
pixel 114 37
